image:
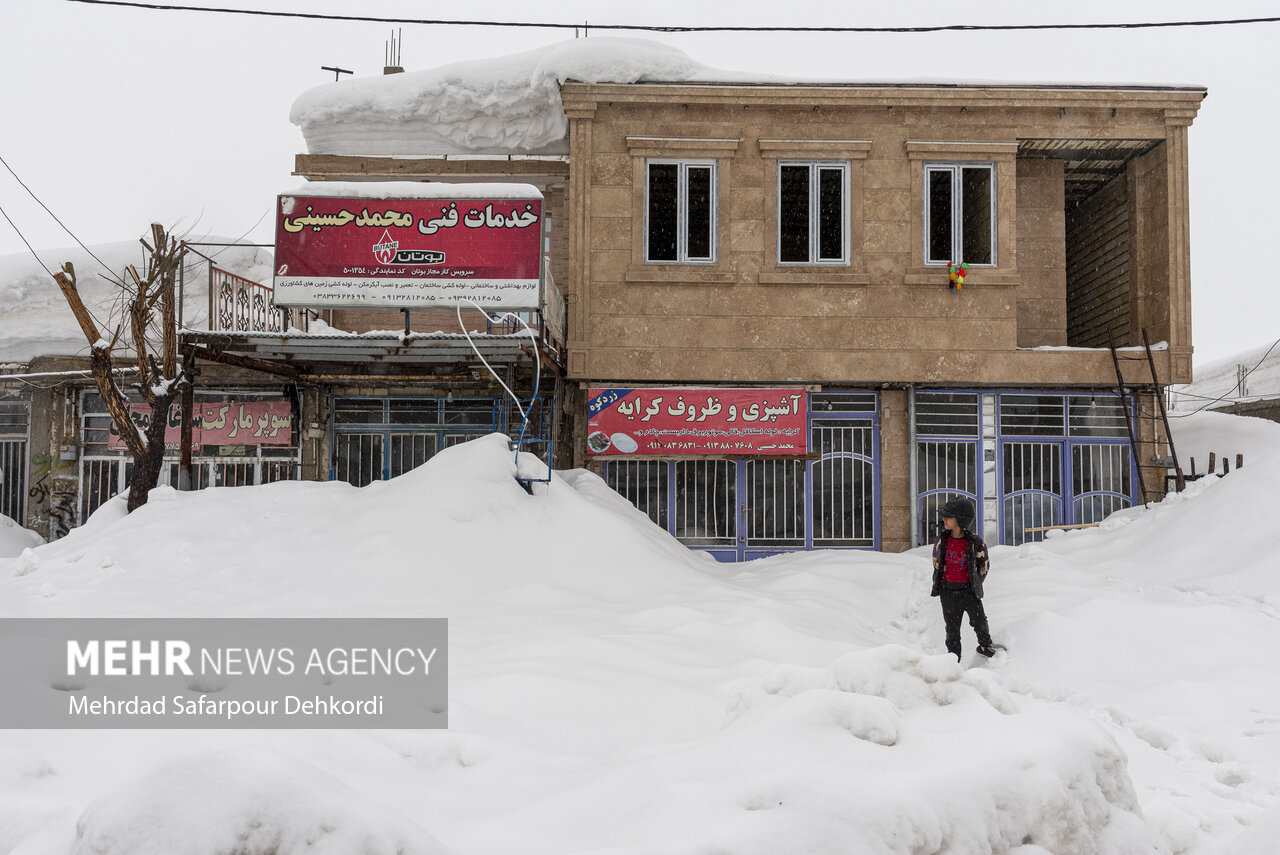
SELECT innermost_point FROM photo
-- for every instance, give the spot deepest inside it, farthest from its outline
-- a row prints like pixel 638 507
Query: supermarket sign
pixel 696 421
pixel 248 423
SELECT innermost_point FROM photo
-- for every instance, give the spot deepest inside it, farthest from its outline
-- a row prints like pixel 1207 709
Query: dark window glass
pixel 775 503
pixel 699 212
pixel 1097 415
pixel 463 412
pixel 643 483
pixel 414 411
pixel 939 236
pixel 357 411
pixel 830 214
pixel 663 196
pixel 843 402
pixel 976 205
pixel 793 214
pixel 1032 415
pixel 1032 466
pixel 706 502
pixel 13 418
pixel 947 413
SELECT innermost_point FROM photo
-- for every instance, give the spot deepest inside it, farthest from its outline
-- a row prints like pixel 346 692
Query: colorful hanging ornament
pixel 958 271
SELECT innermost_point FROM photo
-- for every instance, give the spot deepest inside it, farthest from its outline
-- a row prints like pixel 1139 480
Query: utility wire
pixel 24 240
pixel 1228 392
pixel 52 214
pixel 690 29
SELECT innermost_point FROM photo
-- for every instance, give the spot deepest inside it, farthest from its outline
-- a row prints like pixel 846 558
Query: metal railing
pixel 237 304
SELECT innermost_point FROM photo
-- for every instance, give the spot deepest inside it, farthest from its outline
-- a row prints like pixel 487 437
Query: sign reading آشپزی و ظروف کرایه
pixel 691 420
pixel 400 253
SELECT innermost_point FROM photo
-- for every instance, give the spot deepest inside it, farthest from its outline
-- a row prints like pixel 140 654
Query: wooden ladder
pixel 1135 418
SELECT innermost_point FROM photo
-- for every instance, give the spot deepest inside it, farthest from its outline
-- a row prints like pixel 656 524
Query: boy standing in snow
pixel 959 566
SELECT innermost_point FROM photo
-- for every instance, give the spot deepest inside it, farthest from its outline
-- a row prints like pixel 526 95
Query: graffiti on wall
pixel 52 506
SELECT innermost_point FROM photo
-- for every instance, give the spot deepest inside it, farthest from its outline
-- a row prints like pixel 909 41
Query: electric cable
pixel 1224 395
pixel 165 7
pixel 27 243
pixel 537 376
pixel 52 214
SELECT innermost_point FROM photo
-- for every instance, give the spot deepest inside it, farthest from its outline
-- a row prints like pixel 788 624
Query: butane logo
pixel 418 256
pixel 119 658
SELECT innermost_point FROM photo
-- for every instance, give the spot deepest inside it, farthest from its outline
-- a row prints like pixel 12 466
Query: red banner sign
pixel 250 423
pixel 678 421
pixel 341 252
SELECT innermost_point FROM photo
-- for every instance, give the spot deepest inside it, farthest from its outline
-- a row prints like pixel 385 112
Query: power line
pixel 52 214
pixel 29 249
pixel 689 29
pixel 1228 392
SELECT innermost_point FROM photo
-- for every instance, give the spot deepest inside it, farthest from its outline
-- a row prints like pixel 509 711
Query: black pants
pixel 955 602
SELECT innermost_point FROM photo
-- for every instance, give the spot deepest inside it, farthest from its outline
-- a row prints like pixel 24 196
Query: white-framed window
pixel 960 214
pixel 680 211
pixel 813 212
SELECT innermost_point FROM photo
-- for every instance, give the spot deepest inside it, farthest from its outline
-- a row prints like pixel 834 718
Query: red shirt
pixel 957 567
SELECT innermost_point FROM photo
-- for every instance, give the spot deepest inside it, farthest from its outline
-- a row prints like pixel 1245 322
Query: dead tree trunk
pixel 160 381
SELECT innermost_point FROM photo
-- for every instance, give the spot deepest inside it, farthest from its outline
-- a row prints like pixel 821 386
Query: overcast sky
pixel 117 117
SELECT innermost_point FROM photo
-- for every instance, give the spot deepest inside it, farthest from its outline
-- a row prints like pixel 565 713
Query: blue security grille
pixel 947 457
pixel 743 509
pixel 1052 459
pixel 1064 460
pixel 377 438
pixel 1031 490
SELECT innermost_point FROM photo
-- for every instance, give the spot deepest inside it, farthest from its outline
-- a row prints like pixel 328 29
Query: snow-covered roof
pixel 511 104
pixel 36 321
pixel 481 106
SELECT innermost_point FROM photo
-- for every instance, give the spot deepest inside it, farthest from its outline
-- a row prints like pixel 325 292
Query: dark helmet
pixel 959 509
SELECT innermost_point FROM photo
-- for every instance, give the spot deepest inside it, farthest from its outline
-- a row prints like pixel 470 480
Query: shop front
pixel 239 438
pixel 743 473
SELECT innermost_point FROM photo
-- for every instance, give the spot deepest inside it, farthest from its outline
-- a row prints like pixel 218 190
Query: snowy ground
pixel 14 538
pixel 612 692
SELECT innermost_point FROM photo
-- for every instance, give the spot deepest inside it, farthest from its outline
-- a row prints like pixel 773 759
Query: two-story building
pixel 777 255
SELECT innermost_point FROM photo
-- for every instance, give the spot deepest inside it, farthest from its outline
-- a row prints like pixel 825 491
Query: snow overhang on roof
pixel 512 105
pixel 504 105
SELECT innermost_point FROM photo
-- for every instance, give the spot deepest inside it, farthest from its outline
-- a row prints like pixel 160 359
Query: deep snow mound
pixel 242 801
pixel 984 776
pixel 456 529
pixel 14 538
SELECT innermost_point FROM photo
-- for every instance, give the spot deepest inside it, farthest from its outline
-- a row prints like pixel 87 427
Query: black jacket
pixel 978 562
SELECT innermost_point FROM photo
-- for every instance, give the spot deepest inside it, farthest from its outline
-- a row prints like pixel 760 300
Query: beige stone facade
pixel 884 317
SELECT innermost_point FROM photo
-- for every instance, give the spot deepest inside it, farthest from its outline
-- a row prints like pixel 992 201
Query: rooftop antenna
pixel 336 71
pixel 391 55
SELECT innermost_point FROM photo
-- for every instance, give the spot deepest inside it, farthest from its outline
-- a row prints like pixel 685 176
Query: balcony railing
pixel 241 305
pixel 237 304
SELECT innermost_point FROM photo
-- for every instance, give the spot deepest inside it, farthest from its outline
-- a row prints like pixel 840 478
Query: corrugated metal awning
pixel 1090 163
